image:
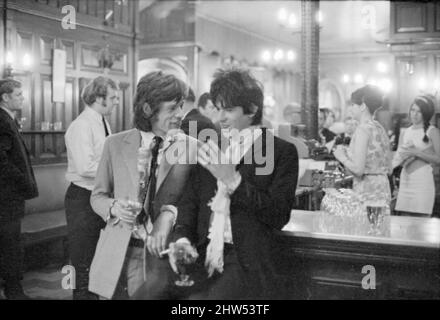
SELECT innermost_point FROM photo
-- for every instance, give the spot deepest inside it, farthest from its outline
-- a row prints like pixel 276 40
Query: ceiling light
pixel 9 57
pixel 279 55
pixel 27 60
pixel 382 67
pixel 358 78
pixel 291 55
pixel 319 17
pixel 437 84
pixel 292 20
pixel 372 82
pixel 266 56
pixel 282 15
pixel 422 84
pixel 385 84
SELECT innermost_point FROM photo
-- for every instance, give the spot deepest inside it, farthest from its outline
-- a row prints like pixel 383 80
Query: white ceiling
pixel 341 27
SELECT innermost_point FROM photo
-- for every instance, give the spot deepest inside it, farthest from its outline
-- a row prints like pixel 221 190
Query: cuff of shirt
pixel 172 209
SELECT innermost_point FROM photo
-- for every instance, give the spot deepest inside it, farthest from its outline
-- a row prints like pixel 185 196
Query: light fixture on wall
pixel 9 63
pixel 409 67
pixel 105 57
pixel 9 60
pixel 278 56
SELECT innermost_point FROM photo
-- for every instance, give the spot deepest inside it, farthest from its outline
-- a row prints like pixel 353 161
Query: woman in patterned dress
pixel 368 156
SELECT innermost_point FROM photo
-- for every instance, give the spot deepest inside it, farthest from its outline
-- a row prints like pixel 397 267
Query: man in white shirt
pixel 136 167
pixel 85 141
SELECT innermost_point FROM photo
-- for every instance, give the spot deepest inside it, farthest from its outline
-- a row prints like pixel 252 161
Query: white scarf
pixel 220 207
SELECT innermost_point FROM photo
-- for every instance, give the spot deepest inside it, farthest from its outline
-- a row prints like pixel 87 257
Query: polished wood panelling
pixel 34 28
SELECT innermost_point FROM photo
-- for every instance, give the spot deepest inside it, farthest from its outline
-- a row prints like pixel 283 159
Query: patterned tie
pixel 105 126
pixel 151 189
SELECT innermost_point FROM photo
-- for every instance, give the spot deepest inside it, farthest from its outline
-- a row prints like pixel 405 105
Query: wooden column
pixel 310 66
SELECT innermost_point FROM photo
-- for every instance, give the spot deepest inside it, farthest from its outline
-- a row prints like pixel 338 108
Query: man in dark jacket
pixel 17 184
pixel 194 122
pixel 229 210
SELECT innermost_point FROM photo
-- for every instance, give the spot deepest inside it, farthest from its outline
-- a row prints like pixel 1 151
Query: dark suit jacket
pixel 17 181
pixel 260 204
pixel 328 135
pixel 202 124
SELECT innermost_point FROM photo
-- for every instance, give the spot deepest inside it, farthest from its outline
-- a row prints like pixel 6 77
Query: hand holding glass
pixel 135 207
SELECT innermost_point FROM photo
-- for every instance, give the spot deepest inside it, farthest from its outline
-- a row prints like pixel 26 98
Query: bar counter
pixel 319 259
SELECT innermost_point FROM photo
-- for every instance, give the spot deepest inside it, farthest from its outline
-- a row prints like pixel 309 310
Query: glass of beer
pixel 375 215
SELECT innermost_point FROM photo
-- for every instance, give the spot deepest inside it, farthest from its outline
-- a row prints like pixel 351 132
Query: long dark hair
pixel 237 87
pixel 153 89
pixel 426 106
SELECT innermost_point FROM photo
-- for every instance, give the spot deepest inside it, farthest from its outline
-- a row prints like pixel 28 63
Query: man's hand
pixel 156 241
pixel 210 157
pixel 176 250
pixel 121 210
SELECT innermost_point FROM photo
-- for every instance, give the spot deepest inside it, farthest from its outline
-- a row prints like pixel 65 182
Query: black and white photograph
pixel 219 155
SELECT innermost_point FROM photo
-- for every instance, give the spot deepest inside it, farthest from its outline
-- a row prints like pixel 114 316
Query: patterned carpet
pixel 44 284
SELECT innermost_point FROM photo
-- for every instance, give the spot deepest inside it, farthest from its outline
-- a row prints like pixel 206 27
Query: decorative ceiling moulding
pixel 413 45
pixel 171 44
pixel 52 13
pixel 248 32
pixel 410 41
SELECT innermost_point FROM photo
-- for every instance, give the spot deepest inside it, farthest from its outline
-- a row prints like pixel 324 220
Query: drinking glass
pixel 183 260
pixel 375 214
pixel 135 207
pixel 58 126
pixel 45 126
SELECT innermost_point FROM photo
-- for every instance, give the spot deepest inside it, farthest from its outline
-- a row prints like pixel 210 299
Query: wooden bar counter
pixel 315 264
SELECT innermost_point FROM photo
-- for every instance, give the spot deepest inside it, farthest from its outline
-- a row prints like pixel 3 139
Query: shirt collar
pixel 146 138
pixel 11 114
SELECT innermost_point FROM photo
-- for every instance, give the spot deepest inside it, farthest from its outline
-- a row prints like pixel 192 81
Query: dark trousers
pixel 160 281
pixel 11 253
pixel 83 226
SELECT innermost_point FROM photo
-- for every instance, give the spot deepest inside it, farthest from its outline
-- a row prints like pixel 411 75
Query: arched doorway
pixel 167 65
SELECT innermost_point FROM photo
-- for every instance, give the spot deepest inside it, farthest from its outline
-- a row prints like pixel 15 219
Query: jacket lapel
pixel 165 166
pixel 130 147
pixel 257 146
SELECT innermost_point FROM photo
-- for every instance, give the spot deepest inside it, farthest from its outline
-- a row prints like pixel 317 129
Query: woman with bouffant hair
pixel 368 156
pixel 151 90
pixel 419 150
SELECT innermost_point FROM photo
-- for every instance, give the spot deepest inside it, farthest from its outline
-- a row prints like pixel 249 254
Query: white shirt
pixel 85 139
pixel 146 142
